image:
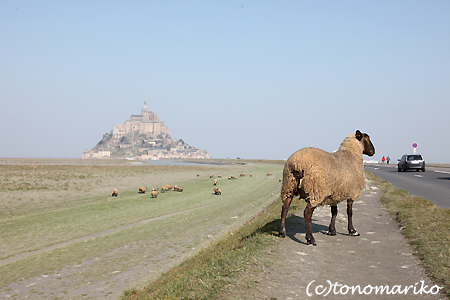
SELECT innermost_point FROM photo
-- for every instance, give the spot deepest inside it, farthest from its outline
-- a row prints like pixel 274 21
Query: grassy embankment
pixel 219 267
pixel 55 215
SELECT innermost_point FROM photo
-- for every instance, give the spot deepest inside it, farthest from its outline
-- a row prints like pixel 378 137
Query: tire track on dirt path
pixel 20 256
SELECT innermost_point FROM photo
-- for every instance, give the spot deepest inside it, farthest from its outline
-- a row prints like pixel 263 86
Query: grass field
pixel 63 235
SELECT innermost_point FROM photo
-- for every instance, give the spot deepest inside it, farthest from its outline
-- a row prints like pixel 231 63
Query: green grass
pixel 218 268
pixel 169 226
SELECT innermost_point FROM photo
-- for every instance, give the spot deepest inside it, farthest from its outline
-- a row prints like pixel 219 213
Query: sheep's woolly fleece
pixel 329 178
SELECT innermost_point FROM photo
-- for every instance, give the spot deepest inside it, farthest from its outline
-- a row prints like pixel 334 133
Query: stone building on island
pixel 143 136
pixel 146 123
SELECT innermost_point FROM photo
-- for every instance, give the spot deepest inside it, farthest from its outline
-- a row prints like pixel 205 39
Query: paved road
pixel 433 184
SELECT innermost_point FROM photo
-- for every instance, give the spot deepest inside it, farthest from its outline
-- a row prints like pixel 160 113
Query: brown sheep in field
pixel 242 175
pixel 198 174
pixel 180 189
pixel 142 189
pixel 215 182
pixel 175 187
pixel 164 189
pixel 154 194
pixel 233 177
pixel 217 191
pixel 168 186
pixel 211 176
pixel 269 174
pixel 323 178
pixel 115 193
pixel 219 176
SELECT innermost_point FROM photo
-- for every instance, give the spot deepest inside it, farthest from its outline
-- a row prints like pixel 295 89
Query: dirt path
pixel 379 257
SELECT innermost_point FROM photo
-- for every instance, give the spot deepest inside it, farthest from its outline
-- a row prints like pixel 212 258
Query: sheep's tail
pixel 291 182
pixel 289 189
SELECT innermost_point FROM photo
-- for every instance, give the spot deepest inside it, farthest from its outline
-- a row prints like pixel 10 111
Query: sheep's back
pixel 328 177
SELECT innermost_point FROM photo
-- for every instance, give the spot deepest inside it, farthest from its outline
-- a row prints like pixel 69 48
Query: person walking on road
pixel 388 159
pixel 383 160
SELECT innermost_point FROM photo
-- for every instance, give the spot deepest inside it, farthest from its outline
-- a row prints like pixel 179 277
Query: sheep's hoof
pixel 353 233
pixel 331 232
pixel 311 242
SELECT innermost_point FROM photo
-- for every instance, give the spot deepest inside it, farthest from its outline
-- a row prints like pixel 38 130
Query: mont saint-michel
pixel 143 136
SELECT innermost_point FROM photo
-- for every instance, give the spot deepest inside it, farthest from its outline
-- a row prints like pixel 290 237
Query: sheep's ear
pixel 358 135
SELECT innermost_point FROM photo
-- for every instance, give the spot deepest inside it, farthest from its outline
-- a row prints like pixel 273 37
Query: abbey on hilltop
pixel 146 123
pixel 144 136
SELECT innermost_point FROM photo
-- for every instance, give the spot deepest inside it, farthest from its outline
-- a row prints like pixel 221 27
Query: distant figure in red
pixel 383 159
pixel 388 159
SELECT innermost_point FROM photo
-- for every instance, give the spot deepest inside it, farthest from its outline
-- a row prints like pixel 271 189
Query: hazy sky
pixel 250 79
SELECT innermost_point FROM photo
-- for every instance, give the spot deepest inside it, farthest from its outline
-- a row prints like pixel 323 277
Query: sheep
pixel 242 175
pixel 198 174
pixel 154 189
pixel 217 191
pixel 215 182
pixel 175 187
pixel 251 175
pixel 164 189
pixel 232 177
pixel 169 187
pixel 219 176
pixel 180 189
pixel 115 193
pixel 142 189
pixel 211 176
pixel 269 174
pixel 154 194
pixel 323 178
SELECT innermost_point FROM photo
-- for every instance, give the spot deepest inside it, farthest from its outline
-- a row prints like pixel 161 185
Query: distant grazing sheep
pixel 115 193
pixel 142 189
pixel 164 189
pixel 168 186
pixel 242 175
pixel 219 176
pixel 211 176
pixel 232 177
pixel 217 191
pixel 180 189
pixel 269 174
pixel 251 175
pixel 323 178
pixel 154 194
pixel 198 174
pixel 175 187
pixel 215 182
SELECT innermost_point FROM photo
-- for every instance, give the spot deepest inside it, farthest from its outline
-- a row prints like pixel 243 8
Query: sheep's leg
pixel 307 214
pixel 332 228
pixel 351 230
pixel 284 212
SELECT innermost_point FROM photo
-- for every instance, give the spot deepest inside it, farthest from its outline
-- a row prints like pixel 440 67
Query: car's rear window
pixel 414 157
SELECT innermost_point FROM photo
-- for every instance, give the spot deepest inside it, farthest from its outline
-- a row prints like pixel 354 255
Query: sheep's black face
pixel 364 139
pixel 369 149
